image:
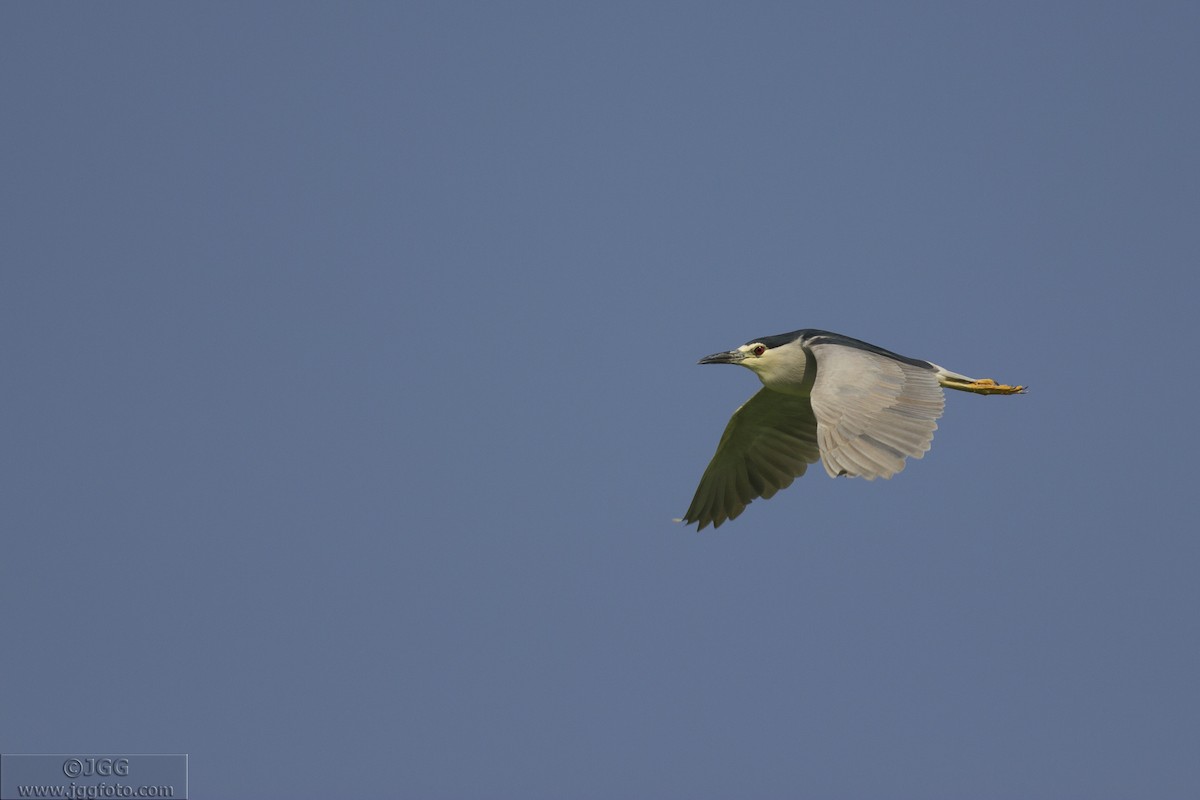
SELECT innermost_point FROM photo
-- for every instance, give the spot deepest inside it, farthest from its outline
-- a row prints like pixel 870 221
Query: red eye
pixel 758 350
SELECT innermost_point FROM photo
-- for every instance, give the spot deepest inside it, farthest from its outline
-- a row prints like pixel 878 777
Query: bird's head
pixel 780 362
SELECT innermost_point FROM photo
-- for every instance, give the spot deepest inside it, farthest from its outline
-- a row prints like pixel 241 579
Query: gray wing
pixel 768 443
pixel 872 411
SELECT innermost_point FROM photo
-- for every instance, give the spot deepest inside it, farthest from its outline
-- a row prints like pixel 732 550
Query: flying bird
pixel 859 409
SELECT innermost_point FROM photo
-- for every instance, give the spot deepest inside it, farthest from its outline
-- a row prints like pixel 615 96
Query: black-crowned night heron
pixel 858 408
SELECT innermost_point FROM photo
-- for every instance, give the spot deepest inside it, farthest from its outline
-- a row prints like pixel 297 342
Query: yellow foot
pixel 985 386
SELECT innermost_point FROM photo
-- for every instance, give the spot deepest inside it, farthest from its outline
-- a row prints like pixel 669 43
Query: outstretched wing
pixel 873 409
pixel 768 443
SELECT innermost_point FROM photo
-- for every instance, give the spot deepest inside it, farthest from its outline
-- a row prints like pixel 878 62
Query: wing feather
pixel 872 410
pixel 768 443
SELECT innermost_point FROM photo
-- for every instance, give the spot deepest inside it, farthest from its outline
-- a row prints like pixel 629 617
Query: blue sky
pixel 350 392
